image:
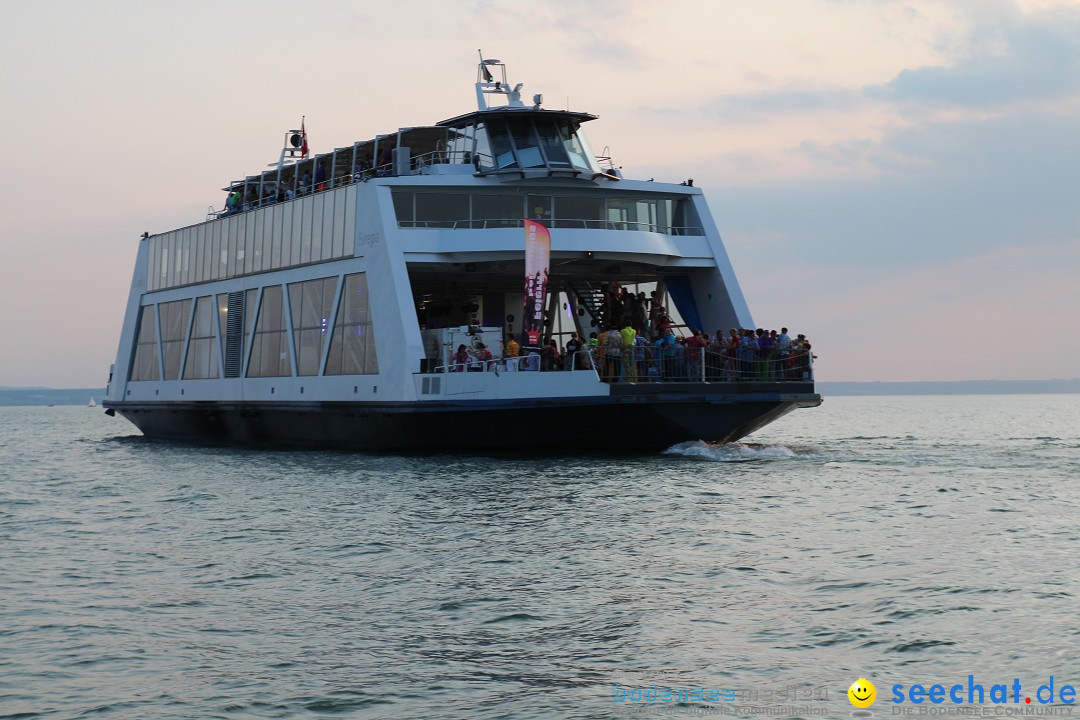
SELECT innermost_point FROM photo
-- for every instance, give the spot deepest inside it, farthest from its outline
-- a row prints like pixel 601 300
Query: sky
pixel 899 180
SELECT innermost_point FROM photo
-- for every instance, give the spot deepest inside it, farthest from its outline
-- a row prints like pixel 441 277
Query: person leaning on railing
pixel 573 346
pixel 612 354
pixel 628 338
pixel 511 351
pixel 484 355
pixel 462 359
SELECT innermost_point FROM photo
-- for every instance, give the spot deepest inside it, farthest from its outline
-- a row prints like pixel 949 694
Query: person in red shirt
pixel 695 350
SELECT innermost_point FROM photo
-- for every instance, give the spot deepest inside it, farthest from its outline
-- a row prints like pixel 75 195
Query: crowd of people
pixel 739 355
pixel 640 344
pixel 303 183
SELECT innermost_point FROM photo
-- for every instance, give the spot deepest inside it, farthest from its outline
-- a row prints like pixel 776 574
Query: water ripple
pixel 871 536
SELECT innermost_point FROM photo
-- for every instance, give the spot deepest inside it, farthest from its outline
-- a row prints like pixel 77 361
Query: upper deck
pixel 485 170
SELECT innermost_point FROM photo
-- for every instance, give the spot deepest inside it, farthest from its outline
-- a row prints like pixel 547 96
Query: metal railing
pixel 658 363
pixel 361 172
pixel 581 361
pixel 678 363
pixel 583 224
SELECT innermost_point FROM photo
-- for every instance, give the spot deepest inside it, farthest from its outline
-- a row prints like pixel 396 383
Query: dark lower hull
pixel 633 419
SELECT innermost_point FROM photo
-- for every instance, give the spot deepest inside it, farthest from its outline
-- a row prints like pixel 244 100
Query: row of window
pixel 464 210
pixel 310 229
pixel 525 142
pixel 193 344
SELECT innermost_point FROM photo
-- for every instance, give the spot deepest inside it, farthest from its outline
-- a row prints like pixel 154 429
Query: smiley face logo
pixel 862 693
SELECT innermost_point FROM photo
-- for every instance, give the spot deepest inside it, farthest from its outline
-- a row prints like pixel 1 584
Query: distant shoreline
pixel 31 397
pixel 951 387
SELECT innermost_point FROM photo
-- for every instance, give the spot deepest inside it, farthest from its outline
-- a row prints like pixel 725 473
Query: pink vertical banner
pixel 537 262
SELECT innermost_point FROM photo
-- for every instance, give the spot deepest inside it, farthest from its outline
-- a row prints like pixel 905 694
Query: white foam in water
pixel 729 452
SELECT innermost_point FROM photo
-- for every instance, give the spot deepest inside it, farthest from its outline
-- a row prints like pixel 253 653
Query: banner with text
pixel 537 260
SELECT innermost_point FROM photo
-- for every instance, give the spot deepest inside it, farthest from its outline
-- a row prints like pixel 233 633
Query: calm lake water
pixel 904 539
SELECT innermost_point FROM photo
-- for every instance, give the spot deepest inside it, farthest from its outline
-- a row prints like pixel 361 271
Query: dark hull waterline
pixel 639 419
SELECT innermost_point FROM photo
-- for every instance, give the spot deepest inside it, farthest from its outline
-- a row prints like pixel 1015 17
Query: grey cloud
pixel 976 185
pixel 1036 57
pixel 1040 58
pixel 749 107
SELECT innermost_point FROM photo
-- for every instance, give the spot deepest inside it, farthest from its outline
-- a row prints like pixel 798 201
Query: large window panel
pixel 202 354
pixel 403 206
pixel 305 229
pixel 579 212
pixel 249 242
pixel 340 207
pixel 296 239
pixel 633 214
pixel 174 319
pixel 267 238
pixel 144 366
pixel 317 221
pixel 490 211
pixel 257 241
pixel 215 251
pixel 172 277
pixel 311 303
pixel 286 232
pixel 539 207
pixel 482 157
pixel 328 223
pixel 270 347
pixel 230 245
pixel 442 209
pixel 499 139
pixel 186 263
pixel 203 254
pixel 528 150
pixel 352 345
pixel 551 140
pixel 577 147
pixel 348 239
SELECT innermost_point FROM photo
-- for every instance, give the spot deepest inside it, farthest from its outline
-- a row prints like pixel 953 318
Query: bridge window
pixel 489 211
pixel 579 212
pixel 642 212
pixel 551 140
pixel 531 141
pixel 441 209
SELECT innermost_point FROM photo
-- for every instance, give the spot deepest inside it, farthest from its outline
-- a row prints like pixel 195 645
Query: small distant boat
pixel 92 403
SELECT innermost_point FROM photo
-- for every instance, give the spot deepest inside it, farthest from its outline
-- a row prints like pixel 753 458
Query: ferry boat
pixel 365 299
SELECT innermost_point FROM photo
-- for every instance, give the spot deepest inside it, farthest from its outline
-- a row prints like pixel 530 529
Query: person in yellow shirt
pixel 511 352
pixel 629 367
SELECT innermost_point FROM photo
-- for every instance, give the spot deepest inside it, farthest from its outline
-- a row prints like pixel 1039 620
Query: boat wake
pixel 730 452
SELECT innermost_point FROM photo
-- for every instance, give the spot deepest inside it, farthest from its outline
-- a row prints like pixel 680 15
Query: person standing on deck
pixel 573 347
pixel 513 350
pixel 612 351
pixel 628 335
